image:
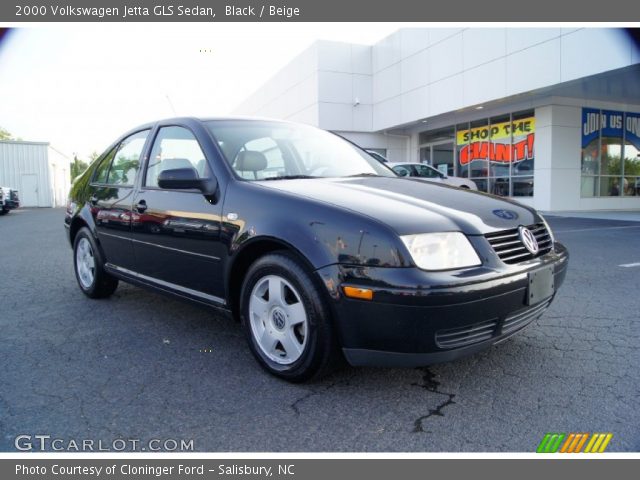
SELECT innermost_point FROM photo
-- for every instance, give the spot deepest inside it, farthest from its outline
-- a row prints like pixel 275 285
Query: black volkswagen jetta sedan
pixel 319 250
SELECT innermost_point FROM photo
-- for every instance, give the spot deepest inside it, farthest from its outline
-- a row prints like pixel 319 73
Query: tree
pixel 77 167
pixel 5 135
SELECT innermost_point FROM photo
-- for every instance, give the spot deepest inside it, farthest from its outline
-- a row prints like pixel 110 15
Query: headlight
pixel 441 251
pixel 553 239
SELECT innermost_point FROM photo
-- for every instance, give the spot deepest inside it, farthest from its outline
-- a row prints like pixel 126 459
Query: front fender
pixel 323 233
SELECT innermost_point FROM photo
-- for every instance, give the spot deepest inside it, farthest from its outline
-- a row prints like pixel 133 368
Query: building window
pixel 496 153
pixel 610 147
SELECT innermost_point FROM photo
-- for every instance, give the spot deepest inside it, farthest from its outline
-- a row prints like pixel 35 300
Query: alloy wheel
pixel 85 263
pixel 278 319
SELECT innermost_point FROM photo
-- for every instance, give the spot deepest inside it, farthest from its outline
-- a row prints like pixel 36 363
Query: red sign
pixel 498 152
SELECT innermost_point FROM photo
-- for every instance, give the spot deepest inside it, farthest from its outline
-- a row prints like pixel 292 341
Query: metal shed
pixel 38 171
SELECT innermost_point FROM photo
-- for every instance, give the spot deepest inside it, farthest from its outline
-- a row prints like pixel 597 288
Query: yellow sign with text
pixel 497 131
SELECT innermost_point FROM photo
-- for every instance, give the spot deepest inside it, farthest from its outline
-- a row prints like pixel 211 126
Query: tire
pixel 464 187
pixel 286 319
pixel 4 211
pixel 88 265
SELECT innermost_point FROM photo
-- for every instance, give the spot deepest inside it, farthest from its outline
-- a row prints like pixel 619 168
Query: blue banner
pixel 612 123
pixel 632 128
pixel 591 121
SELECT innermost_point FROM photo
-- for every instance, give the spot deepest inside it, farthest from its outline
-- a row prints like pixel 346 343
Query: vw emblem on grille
pixel 505 214
pixel 278 319
pixel 528 240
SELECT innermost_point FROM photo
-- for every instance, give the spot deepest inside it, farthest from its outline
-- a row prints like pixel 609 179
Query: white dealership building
pixel 548 116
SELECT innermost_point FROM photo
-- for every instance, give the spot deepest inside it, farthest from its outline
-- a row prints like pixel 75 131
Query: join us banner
pixel 612 124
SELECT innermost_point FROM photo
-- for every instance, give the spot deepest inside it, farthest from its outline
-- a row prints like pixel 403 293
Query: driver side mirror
pixel 187 179
pixel 402 172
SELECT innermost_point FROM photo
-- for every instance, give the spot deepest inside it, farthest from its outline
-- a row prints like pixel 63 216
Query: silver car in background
pixel 425 172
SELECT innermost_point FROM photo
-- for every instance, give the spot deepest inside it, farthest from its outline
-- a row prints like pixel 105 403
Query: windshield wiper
pixel 364 174
pixel 287 177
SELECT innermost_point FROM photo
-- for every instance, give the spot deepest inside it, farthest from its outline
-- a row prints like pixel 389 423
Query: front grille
pixel 521 319
pixel 509 247
pixel 467 335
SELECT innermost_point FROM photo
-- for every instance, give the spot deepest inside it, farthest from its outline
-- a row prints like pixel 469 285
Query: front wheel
pixel 88 264
pixel 286 320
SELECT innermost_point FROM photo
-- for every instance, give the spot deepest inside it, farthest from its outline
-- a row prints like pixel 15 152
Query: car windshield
pixel 263 150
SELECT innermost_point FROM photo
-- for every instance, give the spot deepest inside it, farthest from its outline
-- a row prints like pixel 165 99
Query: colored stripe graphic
pixel 581 443
pixel 550 443
pixel 587 449
pixel 598 442
pixel 573 442
pixel 543 443
pixel 569 443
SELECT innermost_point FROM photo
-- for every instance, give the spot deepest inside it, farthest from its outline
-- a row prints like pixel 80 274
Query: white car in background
pixel 422 171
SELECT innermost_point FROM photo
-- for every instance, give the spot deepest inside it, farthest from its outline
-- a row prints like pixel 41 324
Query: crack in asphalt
pixel 321 391
pixel 295 404
pixel 430 384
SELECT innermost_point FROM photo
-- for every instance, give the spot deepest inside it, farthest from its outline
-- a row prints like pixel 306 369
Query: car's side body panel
pixel 323 234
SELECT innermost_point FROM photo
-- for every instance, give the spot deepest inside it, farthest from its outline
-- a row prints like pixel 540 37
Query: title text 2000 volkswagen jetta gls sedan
pixel 316 247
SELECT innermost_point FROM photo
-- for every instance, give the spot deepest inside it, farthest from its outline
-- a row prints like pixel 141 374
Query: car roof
pixel 394 164
pixel 208 119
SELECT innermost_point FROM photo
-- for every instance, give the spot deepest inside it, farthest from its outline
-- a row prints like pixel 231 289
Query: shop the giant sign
pixel 494 142
pixel 612 124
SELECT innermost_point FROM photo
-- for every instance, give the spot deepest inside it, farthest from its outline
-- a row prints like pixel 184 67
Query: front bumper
pixel 418 318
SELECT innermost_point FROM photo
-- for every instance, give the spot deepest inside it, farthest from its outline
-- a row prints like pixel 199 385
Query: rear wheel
pixel 287 323
pixel 88 263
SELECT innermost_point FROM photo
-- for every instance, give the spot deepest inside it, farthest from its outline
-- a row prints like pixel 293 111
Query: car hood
pixel 411 206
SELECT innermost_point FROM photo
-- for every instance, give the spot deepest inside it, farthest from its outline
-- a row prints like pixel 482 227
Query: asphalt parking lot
pixel 144 366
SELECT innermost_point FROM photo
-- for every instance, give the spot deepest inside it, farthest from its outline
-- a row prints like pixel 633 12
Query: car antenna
pixel 171 104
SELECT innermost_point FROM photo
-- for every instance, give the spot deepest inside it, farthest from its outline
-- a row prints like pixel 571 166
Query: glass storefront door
pixel 442 157
pixel 437 149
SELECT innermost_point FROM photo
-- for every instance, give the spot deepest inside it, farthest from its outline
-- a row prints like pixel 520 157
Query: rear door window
pixel 126 163
pixel 101 173
pixel 424 171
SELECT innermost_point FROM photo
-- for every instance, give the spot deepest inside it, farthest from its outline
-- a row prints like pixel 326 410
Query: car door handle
pixel 93 199
pixel 141 206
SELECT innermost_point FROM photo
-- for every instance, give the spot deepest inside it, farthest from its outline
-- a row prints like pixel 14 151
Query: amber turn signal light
pixel 360 293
